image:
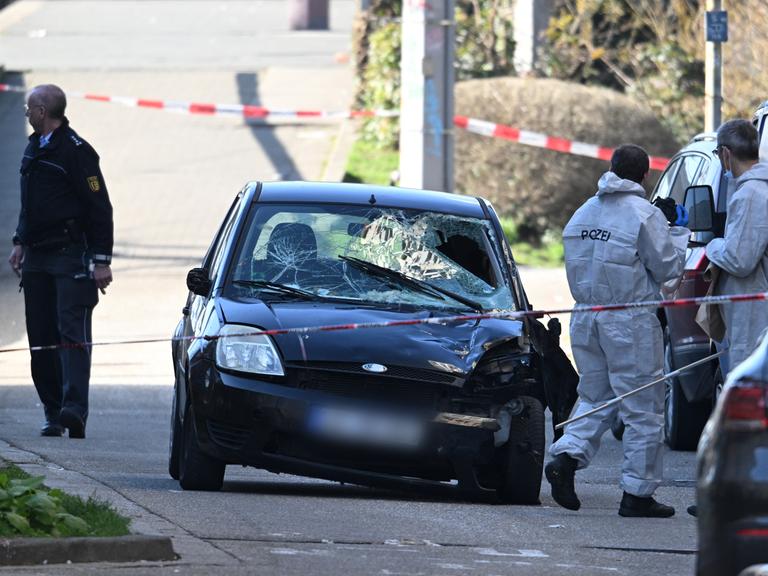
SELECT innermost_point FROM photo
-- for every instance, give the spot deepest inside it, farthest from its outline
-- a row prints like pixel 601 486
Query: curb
pixel 31 551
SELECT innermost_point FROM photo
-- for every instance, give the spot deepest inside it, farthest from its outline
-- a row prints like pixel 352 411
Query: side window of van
pixel 664 186
pixel 689 169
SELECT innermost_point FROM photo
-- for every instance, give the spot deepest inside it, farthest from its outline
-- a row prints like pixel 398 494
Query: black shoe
pixel 693 510
pixel 637 507
pixel 617 428
pixel 560 472
pixel 51 429
pixel 73 421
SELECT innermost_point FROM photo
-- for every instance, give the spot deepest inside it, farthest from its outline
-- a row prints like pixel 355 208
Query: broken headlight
pixel 238 350
pixel 505 367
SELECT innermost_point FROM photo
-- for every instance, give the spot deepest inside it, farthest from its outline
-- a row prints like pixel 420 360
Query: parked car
pixel 454 406
pixel 690 396
pixel 732 486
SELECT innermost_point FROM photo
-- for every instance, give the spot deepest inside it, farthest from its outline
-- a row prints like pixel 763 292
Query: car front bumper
pixel 243 420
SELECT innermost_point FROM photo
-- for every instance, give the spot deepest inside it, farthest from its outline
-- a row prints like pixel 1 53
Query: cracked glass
pixel 377 255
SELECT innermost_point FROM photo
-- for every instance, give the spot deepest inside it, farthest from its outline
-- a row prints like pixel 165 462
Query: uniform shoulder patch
pixel 76 140
pixel 93 183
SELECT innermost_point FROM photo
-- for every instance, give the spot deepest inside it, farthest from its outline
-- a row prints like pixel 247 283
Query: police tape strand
pixel 474 125
pixel 618 399
pixel 502 315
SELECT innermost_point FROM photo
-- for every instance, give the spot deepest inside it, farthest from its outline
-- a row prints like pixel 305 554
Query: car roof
pixel 701 143
pixel 385 196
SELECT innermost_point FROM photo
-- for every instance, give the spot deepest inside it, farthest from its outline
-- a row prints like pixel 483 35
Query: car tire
pixel 524 456
pixel 683 420
pixel 174 444
pixel 197 470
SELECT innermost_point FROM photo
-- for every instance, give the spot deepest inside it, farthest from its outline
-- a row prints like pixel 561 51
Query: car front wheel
pixel 197 470
pixel 524 458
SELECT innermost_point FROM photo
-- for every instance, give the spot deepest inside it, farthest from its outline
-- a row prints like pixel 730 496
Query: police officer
pixel 619 248
pixel 62 250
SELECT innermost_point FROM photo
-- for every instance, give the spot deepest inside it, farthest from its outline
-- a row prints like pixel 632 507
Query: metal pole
pixel 426 110
pixel 713 78
pixel 640 389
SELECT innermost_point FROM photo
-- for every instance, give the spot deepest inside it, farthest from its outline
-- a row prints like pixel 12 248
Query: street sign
pixel 717 26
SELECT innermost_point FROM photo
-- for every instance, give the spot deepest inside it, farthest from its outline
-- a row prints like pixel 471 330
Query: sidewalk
pixel 171 177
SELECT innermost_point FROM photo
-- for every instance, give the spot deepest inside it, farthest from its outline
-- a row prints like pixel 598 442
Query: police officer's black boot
pixel 560 472
pixel 72 420
pixel 638 507
pixel 51 426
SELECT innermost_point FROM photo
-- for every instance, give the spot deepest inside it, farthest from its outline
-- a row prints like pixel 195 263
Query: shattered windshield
pixel 379 255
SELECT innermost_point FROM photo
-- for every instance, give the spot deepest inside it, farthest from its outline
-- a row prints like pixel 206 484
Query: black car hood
pixel 455 347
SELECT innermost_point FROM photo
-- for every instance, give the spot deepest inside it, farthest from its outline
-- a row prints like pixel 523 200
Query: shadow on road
pixel 334 490
pixel 285 167
pixel 14 139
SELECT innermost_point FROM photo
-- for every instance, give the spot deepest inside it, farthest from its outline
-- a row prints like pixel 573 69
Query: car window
pixel 686 175
pixel 349 252
pixel 223 239
pixel 664 185
pixel 703 177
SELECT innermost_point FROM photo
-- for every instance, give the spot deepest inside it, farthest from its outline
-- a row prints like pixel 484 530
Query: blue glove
pixel 682 215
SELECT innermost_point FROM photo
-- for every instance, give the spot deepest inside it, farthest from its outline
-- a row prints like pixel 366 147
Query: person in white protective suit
pixel 619 248
pixel 742 254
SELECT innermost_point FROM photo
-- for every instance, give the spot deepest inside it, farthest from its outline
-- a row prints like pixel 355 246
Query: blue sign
pixel 717 26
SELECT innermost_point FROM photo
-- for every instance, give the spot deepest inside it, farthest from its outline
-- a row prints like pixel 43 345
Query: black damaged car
pixel 454 406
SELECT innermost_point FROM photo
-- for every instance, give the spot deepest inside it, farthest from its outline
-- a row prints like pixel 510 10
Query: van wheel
pixel 524 457
pixel 719 383
pixel 197 470
pixel 683 420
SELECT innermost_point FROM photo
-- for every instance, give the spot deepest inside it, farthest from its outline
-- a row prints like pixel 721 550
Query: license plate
pixel 365 427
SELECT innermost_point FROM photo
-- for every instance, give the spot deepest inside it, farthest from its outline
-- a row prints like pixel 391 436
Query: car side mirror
pixel 198 281
pixel 700 205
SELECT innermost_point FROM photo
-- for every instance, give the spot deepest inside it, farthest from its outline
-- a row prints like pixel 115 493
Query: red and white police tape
pixel 474 125
pixel 504 315
pixel 540 140
pixel 209 109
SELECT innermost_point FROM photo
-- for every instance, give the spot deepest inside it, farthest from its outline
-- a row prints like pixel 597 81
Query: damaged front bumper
pixel 241 420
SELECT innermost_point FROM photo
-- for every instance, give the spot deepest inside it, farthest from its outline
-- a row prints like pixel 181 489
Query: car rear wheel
pixel 524 458
pixel 197 470
pixel 683 420
pixel 174 448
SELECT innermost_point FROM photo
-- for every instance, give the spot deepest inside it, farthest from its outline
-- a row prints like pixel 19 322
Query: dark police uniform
pixel 65 226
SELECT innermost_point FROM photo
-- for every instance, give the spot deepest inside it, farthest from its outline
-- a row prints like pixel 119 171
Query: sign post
pixel 717 33
pixel 426 109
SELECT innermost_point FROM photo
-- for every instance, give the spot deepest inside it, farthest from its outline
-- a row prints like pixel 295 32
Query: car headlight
pixel 255 354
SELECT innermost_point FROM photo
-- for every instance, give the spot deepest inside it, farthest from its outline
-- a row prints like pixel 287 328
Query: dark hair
pixel 630 162
pixel 740 137
pixel 53 99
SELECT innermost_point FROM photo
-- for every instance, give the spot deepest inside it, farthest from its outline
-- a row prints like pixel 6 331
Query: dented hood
pixel 453 348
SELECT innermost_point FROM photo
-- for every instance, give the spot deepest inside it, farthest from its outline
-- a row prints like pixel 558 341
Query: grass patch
pixel 29 508
pixel 549 254
pixel 369 164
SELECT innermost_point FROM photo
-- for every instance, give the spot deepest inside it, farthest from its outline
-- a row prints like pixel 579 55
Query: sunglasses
pixel 719 149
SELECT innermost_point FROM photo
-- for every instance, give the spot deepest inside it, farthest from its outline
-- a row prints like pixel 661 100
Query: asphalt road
pixel 171 178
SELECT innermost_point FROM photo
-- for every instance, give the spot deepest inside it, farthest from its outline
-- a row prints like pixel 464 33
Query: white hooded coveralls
pixel 620 248
pixel 742 257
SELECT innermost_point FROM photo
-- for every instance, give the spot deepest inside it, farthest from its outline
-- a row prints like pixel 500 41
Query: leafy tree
pixel 650 49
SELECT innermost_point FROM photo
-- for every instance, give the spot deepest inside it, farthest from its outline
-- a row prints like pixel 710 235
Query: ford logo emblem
pixel 378 368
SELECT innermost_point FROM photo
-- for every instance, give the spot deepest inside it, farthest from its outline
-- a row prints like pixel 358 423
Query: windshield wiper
pixel 282 288
pixel 418 285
